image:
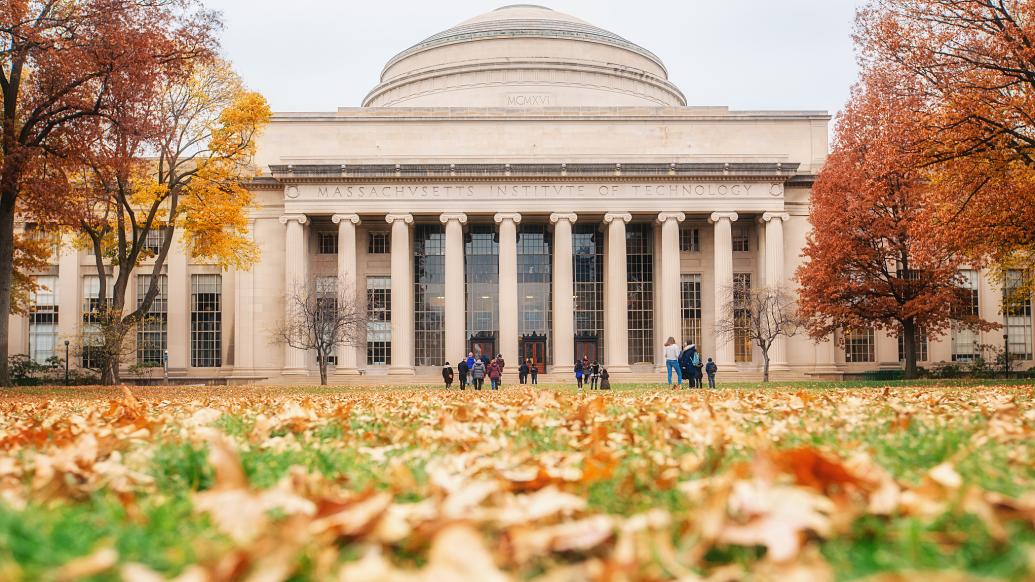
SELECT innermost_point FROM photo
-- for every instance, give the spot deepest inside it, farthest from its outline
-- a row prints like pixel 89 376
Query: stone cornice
pixel 525 172
pixel 567 114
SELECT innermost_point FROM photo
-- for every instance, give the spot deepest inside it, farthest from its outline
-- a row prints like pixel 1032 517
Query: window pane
pixel 379 321
pixel 152 332
pixel 859 345
pixel 43 319
pixel 640 276
pixel 964 341
pixel 206 320
pixel 690 308
pixel 742 346
pixel 429 286
pixel 588 249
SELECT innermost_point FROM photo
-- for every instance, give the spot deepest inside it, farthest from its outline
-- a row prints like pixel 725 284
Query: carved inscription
pixel 535 191
pixel 528 100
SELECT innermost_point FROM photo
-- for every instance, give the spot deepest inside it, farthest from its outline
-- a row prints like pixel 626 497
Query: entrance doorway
pixel 533 347
pixel 586 347
pixel 482 346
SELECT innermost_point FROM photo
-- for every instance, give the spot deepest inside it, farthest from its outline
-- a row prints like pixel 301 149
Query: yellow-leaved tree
pixel 176 164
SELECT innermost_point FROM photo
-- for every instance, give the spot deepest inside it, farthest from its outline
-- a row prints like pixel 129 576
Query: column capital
pixel 770 216
pixel 664 217
pixel 457 216
pixel 613 216
pixel 406 218
pixel 299 218
pixel 717 216
pixel 340 218
pixel 559 216
pixel 500 217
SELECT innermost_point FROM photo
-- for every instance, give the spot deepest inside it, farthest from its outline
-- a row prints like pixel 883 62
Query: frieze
pixel 537 191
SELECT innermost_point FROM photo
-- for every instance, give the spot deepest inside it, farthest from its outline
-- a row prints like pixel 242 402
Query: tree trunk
pixel 765 366
pixel 110 373
pixel 909 343
pixel 6 277
pixel 323 371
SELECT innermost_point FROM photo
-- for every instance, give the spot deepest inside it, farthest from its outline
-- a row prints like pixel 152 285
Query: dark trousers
pixel 478 383
pixel 579 380
pixel 522 378
pixel 463 382
pixel 535 378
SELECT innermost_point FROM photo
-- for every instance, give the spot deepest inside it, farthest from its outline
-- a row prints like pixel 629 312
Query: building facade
pixel 524 183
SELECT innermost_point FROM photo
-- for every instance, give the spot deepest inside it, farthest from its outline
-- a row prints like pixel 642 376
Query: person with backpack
pixel 579 372
pixel 686 357
pixel 523 372
pixel 495 374
pixel 478 374
pixel 462 371
pixel 447 375
pixel 594 375
pixel 502 364
pixel 710 368
pixel 470 360
pixel 533 370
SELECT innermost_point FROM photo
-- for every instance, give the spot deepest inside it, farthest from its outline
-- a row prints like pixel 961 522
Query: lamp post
pixel 66 362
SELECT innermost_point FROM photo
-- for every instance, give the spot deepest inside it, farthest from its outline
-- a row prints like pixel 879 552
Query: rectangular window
pixel 91 330
pixel 379 321
pixel 153 242
pixel 206 321
pixel 639 243
pixel 43 320
pixel 482 267
pixel 741 239
pixel 1018 316
pixel 534 283
pixel 588 278
pixel 689 240
pixel 859 345
pixel 964 341
pixel 742 346
pixel 378 243
pixel 429 295
pixel 327 303
pixel 153 331
pixel 690 307
pixel 327 243
pixel 921 346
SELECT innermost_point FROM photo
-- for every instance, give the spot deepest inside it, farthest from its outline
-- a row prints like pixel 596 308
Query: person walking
pixel 478 374
pixel 462 371
pixel 502 364
pixel 579 372
pixel 447 375
pixel 533 371
pixel 495 373
pixel 710 368
pixel 523 372
pixel 672 363
pixel 605 379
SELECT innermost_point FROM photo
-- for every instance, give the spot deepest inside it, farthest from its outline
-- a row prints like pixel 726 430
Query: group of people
pixel 474 370
pixel 685 364
pixel 594 375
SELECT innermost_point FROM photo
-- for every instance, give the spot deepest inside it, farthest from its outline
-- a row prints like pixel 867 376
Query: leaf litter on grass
pixel 524 484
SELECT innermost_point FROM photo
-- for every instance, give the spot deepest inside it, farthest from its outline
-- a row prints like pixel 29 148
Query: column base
pixel 401 371
pixel 346 372
pixel 294 372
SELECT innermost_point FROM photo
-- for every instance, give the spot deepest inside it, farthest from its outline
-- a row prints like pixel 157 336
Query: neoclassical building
pixel 524 183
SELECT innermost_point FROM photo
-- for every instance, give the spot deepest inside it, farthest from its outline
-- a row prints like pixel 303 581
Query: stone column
pixel 774 278
pixel 348 355
pixel 722 222
pixel 617 294
pixel 455 316
pixel 402 295
pixel 295 281
pixel 671 315
pixel 563 290
pixel 508 295
pixel 179 307
pixel 68 294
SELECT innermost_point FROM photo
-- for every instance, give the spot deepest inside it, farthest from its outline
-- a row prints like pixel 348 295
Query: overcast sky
pixel 318 55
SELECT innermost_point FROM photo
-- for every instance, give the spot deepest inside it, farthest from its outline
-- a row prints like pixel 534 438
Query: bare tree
pixel 761 315
pixel 322 314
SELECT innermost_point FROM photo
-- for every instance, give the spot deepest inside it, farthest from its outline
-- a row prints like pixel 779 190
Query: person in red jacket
pixel 494 372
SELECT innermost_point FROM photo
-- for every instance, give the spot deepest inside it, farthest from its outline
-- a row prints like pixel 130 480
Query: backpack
pixel 695 360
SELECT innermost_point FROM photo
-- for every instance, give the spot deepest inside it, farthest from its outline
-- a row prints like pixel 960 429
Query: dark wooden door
pixel 585 348
pixel 483 347
pixel 535 350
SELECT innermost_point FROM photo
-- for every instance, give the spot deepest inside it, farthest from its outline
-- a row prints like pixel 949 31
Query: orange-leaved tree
pixel 972 67
pixel 60 64
pixel 870 260
pixel 176 164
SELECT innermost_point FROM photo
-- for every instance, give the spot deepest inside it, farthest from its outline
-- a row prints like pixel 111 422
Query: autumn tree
pixel 323 314
pixel 762 314
pixel 175 164
pixel 60 64
pixel 971 64
pixel 870 262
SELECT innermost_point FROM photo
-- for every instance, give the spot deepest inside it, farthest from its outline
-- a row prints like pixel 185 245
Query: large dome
pixel 524 56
